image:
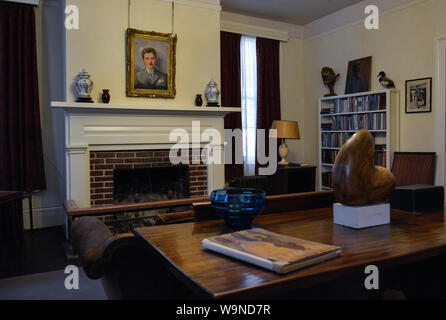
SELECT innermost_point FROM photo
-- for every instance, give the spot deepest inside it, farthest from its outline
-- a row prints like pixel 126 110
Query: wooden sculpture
pixel 356 180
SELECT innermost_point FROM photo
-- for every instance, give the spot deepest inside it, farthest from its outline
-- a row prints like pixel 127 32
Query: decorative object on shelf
pixel 212 93
pixel 198 100
pixel 329 77
pixel 238 207
pixel 419 95
pixel 356 181
pixel 105 96
pixel 150 64
pixel 285 130
pixel 358 75
pixel 83 85
pixel 384 81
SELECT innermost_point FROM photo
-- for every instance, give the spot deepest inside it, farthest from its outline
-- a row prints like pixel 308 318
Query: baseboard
pixel 44 217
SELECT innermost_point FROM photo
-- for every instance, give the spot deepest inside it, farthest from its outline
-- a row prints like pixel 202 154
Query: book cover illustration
pixel 270 250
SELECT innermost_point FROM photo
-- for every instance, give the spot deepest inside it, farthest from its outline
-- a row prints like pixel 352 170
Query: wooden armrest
pixel 176 217
pixel 73 210
pixel 277 204
pixel 89 236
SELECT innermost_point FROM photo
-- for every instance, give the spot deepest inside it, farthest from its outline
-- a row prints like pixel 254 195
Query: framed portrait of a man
pixel 358 75
pixel 419 95
pixel 150 64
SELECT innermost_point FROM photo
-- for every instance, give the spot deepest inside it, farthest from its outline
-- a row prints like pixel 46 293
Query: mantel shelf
pixel 167 110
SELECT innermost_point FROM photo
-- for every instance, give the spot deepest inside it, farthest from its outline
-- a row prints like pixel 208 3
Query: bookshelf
pixel 340 117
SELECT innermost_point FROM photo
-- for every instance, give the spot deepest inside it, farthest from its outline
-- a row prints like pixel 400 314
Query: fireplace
pixel 120 177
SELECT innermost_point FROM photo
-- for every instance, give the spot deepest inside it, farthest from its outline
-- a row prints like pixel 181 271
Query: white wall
pixel 292 95
pixel 47 204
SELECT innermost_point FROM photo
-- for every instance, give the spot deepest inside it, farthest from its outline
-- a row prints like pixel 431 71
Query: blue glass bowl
pixel 238 207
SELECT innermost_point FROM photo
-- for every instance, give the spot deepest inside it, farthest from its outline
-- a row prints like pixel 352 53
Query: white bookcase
pixel 342 116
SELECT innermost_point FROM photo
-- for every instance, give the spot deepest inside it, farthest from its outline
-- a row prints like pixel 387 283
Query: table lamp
pixel 285 130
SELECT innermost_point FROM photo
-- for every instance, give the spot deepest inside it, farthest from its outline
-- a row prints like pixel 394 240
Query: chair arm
pixel 89 236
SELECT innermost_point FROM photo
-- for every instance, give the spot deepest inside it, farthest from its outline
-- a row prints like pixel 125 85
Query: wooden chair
pixel 127 266
pixel 411 168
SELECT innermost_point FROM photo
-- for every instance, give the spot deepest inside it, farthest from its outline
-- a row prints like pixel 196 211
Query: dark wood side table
pixel 11 216
pixel 294 179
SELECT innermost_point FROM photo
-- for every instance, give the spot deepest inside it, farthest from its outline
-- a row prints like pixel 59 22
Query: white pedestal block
pixel 362 216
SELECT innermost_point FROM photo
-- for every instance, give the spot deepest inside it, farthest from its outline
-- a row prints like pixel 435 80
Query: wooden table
pixel 409 238
pixel 11 216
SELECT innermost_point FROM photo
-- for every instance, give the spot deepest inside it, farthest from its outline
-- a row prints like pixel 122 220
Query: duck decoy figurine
pixel 384 81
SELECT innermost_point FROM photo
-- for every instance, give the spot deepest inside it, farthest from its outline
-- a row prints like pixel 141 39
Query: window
pixel 248 56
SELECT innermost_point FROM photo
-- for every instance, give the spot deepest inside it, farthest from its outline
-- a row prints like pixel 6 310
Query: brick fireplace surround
pixel 102 164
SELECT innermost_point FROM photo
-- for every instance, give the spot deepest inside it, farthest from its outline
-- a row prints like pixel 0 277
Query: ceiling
pixel 299 12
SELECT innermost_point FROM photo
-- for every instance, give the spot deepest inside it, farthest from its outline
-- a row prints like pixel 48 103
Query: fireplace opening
pixel 150 184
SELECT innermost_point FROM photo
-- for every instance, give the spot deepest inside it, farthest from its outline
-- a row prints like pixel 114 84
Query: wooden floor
pixel 42 251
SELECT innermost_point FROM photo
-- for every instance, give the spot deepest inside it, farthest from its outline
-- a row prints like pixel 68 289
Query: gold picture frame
pixel 151 64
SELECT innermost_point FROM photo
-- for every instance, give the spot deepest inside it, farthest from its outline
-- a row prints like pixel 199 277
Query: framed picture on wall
pixel 419 95
pixel 150 64
pixel 358 75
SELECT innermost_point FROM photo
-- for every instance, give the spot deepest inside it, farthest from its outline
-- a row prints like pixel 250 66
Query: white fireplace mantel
pixel 167 110
pixel 98 126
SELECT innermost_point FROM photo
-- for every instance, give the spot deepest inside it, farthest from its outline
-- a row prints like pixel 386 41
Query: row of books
pixel 329 156
pixel 381 159
pixel 326 179
pixel 356 104
pixel 335 140
pixel 370 121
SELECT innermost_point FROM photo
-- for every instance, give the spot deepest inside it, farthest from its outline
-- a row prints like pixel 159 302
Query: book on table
pixel 273 251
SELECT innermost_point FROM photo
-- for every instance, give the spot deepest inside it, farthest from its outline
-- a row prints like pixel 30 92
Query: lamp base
pixel 283 163
pixel 283 152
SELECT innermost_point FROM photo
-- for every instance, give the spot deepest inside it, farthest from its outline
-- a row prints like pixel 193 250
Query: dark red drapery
pixel 21 156
pixel 268 85
pixel 231 92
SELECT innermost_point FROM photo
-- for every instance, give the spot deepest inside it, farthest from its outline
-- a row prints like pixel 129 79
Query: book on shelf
pixel 327 179
pixel 359 104
pixel 272 251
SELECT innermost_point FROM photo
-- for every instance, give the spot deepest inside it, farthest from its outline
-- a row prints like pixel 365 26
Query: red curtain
pixel 231 92
pixel 268 85
pixel 21 156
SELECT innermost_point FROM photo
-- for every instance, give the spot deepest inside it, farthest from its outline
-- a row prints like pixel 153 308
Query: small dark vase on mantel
pixel 105 96
pixel 198 100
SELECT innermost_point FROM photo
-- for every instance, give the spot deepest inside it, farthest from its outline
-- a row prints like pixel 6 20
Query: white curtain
pixel 248 55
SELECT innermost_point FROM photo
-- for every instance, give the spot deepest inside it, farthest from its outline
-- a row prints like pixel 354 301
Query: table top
pixel 8 196
pixel 408 238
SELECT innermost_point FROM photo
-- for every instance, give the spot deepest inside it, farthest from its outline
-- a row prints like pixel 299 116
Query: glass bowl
pixel 238 207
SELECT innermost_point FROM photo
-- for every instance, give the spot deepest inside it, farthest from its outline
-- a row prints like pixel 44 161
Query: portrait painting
pixel 150 64
pixel 419 95
pixel 358 75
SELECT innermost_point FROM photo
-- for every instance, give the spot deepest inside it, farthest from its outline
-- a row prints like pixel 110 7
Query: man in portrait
pixel 150 77
pixel 354 82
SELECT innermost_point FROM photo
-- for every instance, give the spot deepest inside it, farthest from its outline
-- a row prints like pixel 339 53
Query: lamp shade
pixel 286 129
